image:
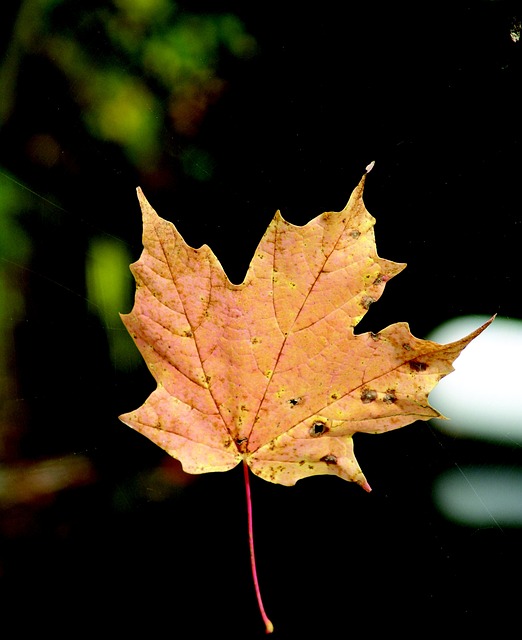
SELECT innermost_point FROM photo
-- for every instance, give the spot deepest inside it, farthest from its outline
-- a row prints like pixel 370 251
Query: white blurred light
pixel 480 496
pixel 483 396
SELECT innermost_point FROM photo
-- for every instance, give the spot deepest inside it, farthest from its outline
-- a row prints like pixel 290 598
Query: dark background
pixel 430 91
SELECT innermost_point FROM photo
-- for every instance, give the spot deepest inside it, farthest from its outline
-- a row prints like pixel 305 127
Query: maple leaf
pixel 270 371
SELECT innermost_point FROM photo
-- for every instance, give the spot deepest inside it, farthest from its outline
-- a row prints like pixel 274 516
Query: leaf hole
pixel 318 428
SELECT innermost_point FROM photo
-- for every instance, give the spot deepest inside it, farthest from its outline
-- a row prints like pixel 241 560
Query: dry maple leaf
pixel 270 372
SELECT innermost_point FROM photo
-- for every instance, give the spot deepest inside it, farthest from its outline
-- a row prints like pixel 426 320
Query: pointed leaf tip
pixel 370 166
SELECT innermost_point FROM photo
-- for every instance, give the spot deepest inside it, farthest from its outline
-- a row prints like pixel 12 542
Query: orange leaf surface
pixel 270 372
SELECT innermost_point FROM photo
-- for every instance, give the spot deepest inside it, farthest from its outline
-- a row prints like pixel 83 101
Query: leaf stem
pixel 269 627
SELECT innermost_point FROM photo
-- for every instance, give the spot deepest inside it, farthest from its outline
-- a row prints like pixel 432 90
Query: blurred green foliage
pixel 15 248
pixel 109 288
pixel 135 68
pixel 139 72
pixel 14 199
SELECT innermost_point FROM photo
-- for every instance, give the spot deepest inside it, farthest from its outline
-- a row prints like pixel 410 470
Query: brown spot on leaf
pixel 294 401
pixel 318 428
pixel 241 444
pixel 368 395
pixel 329 459
pixel 188 333
pixel 406 347
pixel 418 366
pixel 366 301
pixel 355 234
pixel 390 397
pixel 334 396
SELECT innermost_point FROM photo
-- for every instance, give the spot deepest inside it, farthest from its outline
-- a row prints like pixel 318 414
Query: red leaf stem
pixel 268 624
